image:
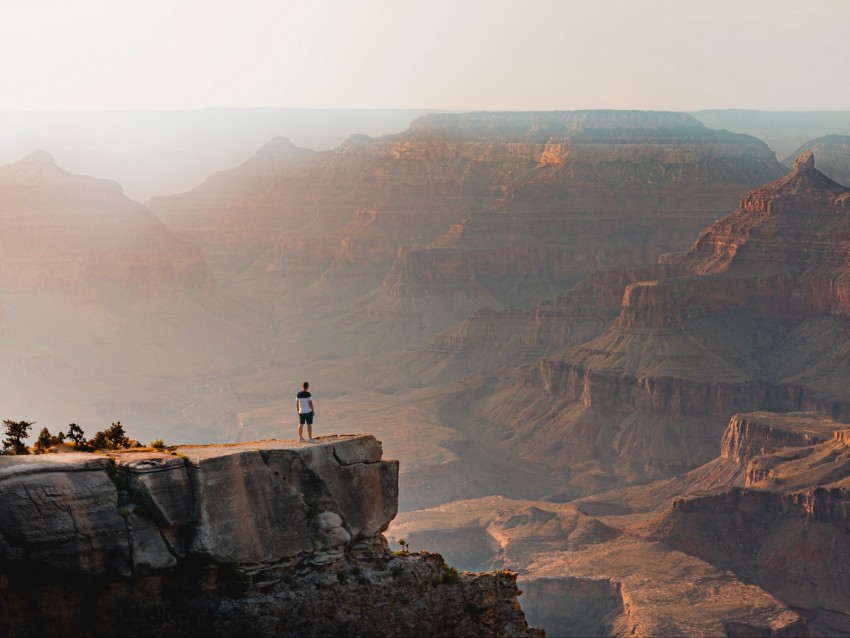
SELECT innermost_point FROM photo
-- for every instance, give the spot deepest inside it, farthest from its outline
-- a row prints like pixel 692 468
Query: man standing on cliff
pixel 305 409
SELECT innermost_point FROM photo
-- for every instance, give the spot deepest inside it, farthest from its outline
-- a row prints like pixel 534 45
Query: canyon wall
pixel 753 317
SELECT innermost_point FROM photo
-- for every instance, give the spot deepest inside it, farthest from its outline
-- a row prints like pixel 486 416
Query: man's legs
pixel 300 429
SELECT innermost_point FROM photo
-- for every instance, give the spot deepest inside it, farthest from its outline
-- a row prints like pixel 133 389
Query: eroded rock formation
pixel 468 211
pixel 269 538
pixel 753 317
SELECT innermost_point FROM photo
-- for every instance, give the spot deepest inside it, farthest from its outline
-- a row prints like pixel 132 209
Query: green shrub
pixel 450 575
pixel 42 443
pixel 112 438
pixel 157 444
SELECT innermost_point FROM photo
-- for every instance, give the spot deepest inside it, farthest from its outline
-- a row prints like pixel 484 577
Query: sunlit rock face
pixel 75 234
pixel 269 538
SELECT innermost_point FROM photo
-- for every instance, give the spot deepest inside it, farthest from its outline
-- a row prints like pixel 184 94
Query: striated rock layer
pixel 269 538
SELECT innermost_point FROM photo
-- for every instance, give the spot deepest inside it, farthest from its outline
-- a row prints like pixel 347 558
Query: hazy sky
pixel 433 54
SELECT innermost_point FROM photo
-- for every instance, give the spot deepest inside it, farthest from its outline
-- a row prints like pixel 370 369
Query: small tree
pixel 76 434
pixel 43 442
pixel 16 432
pixel 111 438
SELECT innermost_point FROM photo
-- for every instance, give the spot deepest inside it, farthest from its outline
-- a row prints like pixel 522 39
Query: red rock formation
pixel 784 529
pixel 699 554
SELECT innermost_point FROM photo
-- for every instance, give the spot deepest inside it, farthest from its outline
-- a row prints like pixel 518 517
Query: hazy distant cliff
pixel 77 234
pixel 263 538
pixel 471 210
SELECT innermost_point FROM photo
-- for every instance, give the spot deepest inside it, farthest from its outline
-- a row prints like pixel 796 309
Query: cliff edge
pixel 262 538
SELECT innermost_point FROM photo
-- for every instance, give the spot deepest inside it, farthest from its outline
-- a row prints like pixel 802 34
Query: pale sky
pixel 426 54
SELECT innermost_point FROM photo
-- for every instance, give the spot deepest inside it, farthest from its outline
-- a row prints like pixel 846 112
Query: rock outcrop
pixel 832 153
pixel 266 538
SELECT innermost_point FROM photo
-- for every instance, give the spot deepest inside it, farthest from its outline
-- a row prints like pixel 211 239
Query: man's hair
pixel 305 385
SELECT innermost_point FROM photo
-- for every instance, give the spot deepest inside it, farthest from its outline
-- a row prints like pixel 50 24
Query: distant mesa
pixel 832 153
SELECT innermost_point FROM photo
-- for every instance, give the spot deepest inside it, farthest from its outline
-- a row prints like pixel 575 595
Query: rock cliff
pixel 785 528
pixel 268 538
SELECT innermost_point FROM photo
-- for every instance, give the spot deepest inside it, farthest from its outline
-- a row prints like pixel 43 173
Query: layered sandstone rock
pixel 784 529
pixel 64 232
pixel 267 538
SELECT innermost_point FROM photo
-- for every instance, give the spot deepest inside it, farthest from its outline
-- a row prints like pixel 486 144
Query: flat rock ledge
pixel 262 538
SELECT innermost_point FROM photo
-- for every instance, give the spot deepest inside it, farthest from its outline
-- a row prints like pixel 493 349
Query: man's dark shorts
pixel 305 417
